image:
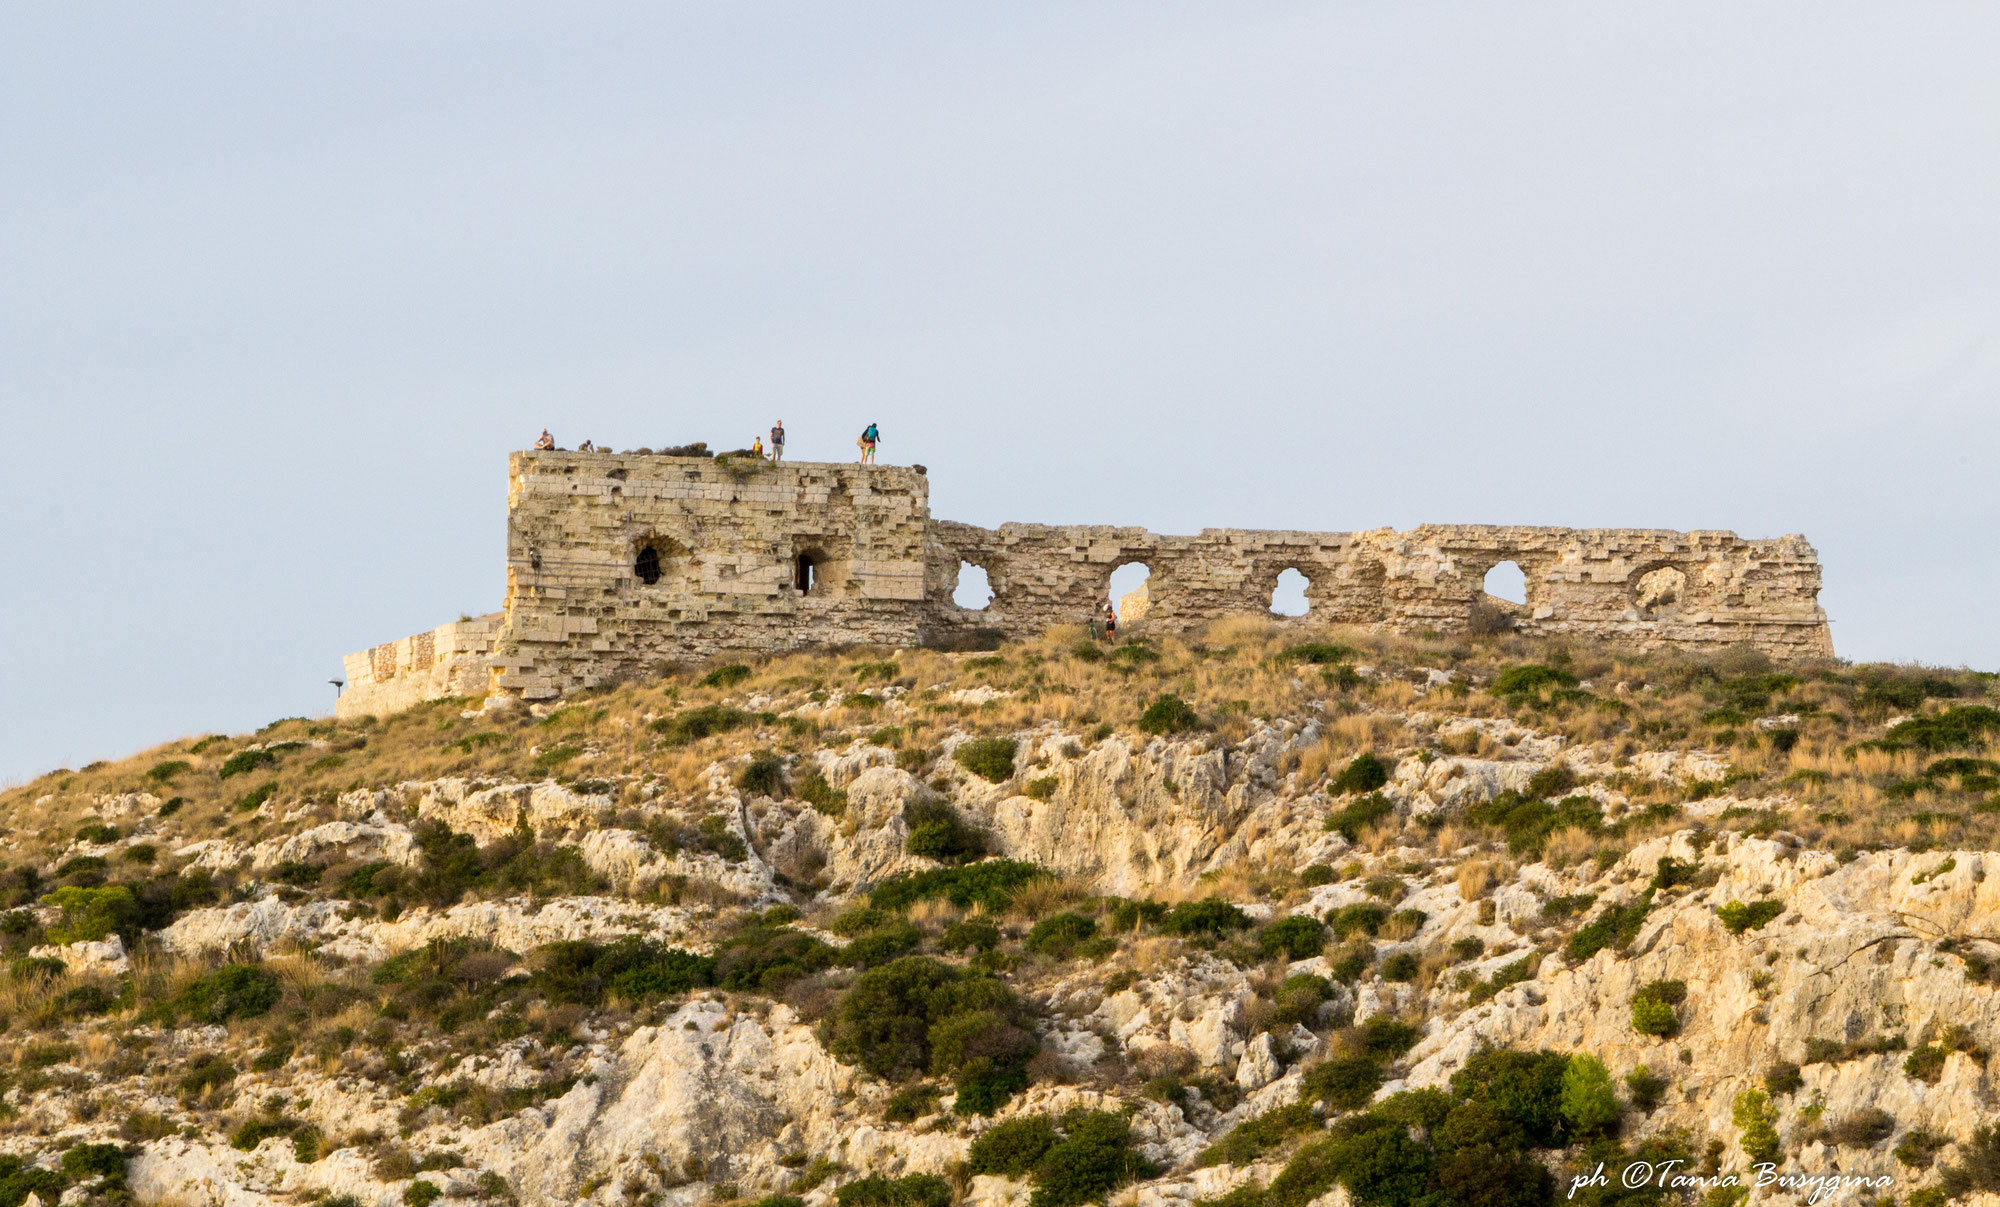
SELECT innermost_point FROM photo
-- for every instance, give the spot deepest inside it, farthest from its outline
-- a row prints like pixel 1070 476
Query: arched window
pixel 647 565
pixel 974 590
pixel 1289 597
pixel 1506 581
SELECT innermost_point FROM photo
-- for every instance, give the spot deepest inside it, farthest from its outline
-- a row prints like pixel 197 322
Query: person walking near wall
pixel 869 439
pixel 777 442
pixel 1110 622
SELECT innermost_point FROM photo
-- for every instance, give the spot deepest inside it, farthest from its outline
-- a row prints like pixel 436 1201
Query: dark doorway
pixel 802 574
pixel 647 567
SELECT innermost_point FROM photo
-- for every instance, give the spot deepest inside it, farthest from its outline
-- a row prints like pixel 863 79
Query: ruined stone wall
pixel 1645 588
pixel 621 565
pixel 450 660
pixel 726 545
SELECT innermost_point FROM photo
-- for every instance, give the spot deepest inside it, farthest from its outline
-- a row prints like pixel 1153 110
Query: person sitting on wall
pixel 586 447
pixel 547 442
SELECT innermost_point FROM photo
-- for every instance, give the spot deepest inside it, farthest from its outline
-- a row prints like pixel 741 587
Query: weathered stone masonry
pixel 619 565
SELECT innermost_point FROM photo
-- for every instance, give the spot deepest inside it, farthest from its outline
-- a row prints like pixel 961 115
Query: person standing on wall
pixel 777 442
pixel 869 439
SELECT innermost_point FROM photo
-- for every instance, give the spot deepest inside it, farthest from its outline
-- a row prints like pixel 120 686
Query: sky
pixel 281 285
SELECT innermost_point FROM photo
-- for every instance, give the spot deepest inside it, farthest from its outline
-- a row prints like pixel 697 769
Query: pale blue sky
pixel 280 285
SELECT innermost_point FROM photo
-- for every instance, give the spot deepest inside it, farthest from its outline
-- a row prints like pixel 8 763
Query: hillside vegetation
pixel 1248 918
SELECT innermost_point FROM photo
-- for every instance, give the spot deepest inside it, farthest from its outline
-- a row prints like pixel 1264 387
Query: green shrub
pixel 1059 934
pixel 1314 875
pixel 1952 729
pixel 1528 823
pixel 106 1161
pixel 1647 1089
pixel 726 676
pixel 420 1193
pixel 938 832
pixel 1296 936
pixel 694 724
pixel 1738 917
pixel 1095 1156
pixel 91 914
pixel 1318 653
pixel 1342 1083
pixel 815 791
pixel 1253 1138
pixel 1013 1148
pixel 256 797
pixel 1754 1118
pixel 1169 714
pixel 916 1190
pixel 991 759
pixel 1926 1064
pixel 1358 918
pixel 1589 1104
pixel 231 991
pixel 1351 819
pixel 911 1103
pixel 1208 918
pixel 1615 926
pixel 764 775
pixel 1386 1038
pixel 260 1129
pixel 991 883
pixel 919 1015
pixel 1783 1078
pixel 1364 774
pixel 1042 787
pixel 978 933
pixel 1530 683
pixel 1552 780
pixel 1401 966
pixel 587 973
pixel 765 957
pixel 1523 1088
pixel 167 770
pixel 245 761
pixel 1653 1008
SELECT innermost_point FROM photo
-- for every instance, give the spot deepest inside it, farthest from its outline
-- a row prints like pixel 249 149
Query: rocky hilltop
pixel 1237 918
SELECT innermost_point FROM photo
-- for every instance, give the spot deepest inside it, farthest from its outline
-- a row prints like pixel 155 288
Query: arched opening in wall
pixel 1128 592
pixel 804 578
pixel 1659 592
pixel 657 559
pixel 646 567
pixel 1288 598
pixel 974 590
pixel 1506 582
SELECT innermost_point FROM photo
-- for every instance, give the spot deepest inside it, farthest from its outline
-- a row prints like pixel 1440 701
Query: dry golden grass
pixel 1477 877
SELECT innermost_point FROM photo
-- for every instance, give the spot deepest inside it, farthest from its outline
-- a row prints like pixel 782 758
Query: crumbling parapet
pixel 621 565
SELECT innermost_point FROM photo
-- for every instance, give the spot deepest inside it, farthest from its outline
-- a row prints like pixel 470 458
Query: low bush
pixel 726 676
pixel 1401 966
pixel 1349 820
pixel 990 883
pixel 1783 1078
pixel 1169 715
pixel 814 790
pixel 1615 926
pixel 1954 728
pixel 1042 787
pixel 1358 918
pixel 1531 684
pixel 1738 917
pixel 1253 1138
pixel 918 1015
pixel 1296 937
pixel 1318 653
pixel 90 914
pixel 764 775
pixel 1343 1082
pixel 1208 918
pixel 991 759
pixel 938 832
pixel 1864 1128
pixel 1756 1122
pixel 1926 1064
pixel 1013 1148
pixel 693 724
pixel 1364 773
pixel 1059 934
pixel 229 992
pixel 1589 1104
pixel 1095 1156
pixel 916 1190
pixel 1653 1008
pixel 588 973
pixel 245 761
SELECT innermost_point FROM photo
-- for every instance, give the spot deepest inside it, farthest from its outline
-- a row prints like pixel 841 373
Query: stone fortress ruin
pixel 621 565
